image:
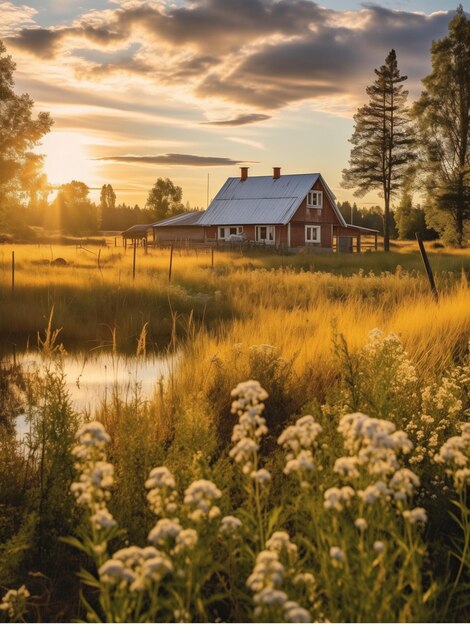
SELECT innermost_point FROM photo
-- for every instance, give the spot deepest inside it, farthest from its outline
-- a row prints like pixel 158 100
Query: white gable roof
pixel 262 200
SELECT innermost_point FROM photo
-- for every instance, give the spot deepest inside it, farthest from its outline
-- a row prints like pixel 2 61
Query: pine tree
pixel 443 114
pixel 383 140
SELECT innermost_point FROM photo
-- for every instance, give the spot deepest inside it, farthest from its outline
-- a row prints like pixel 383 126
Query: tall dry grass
pixel 94 298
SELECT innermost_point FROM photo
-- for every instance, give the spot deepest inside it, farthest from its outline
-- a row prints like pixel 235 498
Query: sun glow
pixel 66 157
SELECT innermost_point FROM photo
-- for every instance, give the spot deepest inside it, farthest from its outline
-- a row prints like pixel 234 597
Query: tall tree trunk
pixel 460 211
pixel 387 224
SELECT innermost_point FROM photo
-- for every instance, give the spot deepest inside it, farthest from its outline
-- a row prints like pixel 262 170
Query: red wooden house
pixel 292 211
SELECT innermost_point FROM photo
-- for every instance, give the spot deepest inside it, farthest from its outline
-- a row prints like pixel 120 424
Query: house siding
pixel 176 234
pixel 325 217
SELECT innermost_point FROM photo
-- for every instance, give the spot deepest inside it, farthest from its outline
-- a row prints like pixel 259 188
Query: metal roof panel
pixel 261 200
pixel 182 219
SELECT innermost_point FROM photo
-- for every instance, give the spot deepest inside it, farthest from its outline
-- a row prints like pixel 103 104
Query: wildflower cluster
pixel 96 475
pixel 14 603
pixel 249 430
pixel 385 380
pixel 443 403
pixel 229 526
pixel 200 497
pixel 300 442
pixel 162 493
pixel 455 453
pixel 373 445
pixel 135 569
pixel 268 577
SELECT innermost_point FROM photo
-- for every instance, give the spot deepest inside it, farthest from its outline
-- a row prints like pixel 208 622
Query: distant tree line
pixel 406 218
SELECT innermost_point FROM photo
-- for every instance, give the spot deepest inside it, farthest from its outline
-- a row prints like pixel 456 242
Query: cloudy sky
pixel 145 88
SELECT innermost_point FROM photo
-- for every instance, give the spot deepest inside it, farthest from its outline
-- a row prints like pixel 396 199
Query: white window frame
pixel 223 232
pixel 315 199
pixel 317 230
pixel 270 239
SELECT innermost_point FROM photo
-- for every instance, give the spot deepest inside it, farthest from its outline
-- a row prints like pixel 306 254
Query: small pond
pixel 91 377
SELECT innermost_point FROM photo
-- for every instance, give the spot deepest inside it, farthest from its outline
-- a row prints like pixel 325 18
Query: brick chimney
pixel 243 173
pixel 276 173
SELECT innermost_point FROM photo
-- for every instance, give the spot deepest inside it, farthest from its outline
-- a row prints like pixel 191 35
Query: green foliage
pixel 383 140
pixel 164 199
pixel 72 210
pixel 411 219
pixel 443 116
pixel 20 132
pixel 107 207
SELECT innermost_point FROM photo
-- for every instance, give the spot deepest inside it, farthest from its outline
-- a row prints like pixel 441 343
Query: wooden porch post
pixel 359 243
pixel 375 243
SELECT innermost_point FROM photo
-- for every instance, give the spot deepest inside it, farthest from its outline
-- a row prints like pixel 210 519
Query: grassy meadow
pixel 331 485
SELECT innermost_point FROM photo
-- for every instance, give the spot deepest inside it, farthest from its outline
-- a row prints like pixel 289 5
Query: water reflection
pixel 91 377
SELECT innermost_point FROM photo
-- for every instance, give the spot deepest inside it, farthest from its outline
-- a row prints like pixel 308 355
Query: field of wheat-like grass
pixel 307 457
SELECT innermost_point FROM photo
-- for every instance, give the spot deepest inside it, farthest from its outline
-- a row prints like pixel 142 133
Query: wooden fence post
pixel 13 271
pixel 133 262
pixel 427 266
pixel 171 262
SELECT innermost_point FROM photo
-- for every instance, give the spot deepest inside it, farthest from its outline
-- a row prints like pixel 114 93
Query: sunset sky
pixel 142 89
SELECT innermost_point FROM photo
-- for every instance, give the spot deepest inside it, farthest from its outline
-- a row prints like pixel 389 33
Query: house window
pixel 265 234
pixel 226 231
pixel 312 234
pixel 315 200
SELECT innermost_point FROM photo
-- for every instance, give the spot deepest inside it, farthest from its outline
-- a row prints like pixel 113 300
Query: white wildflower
pixel 199 497
pixel 415 516
pixel 261 476
pixel 462 477
pixel 268 597
pixel 335 498
pixel 374 492
pixel 164 530
pixel 361 524
pixel 305 578
pixel 346 466
pixel 455 452
pixel 102 519
pixel 403 484
pixel 14 602
pixel 251 425
pixel 336 554
pixel 294 613
pixel 300 464
pixel 162 493
pixel 244 452
pixel 299 441
pixel 268 571
pixel 379 546
pixel 135 568
pixel 95 474
pixel 156 568
pixel 186 540
pixel 280 542
pixel 230 525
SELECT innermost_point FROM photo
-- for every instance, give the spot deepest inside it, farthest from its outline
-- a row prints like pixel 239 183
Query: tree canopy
pixel 20 132
pixel 73 210
pixel 164 199
pixel 443 116
pixel 383 141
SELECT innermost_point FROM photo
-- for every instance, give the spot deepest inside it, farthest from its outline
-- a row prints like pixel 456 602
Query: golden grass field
pixel 298 324
pixel 291 302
